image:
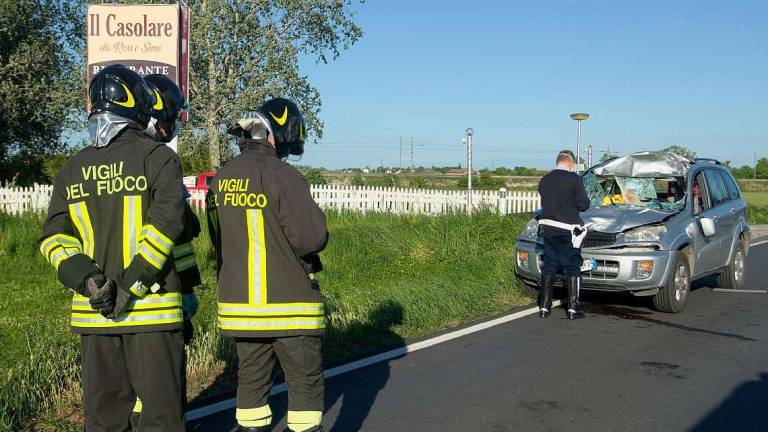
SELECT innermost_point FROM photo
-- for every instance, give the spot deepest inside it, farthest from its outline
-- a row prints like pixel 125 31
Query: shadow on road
pixel 743 410
pixel 358 393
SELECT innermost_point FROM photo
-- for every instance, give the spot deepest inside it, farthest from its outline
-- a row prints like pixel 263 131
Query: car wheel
pixel 673 297
pixel 733 276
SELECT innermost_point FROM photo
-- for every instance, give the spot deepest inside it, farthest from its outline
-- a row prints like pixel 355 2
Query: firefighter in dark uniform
pixel 116 207
pixel 562 198
pixel 267 231
pixel 164 126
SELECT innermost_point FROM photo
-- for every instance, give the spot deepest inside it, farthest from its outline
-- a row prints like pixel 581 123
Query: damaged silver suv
pixel 657 221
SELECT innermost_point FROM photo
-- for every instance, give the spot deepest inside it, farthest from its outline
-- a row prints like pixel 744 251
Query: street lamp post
pixel 469 169
pixel 579 117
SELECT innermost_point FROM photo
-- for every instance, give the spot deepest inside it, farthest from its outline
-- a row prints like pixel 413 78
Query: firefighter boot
pixel 574 286
pixel 545 296
pixel 241 428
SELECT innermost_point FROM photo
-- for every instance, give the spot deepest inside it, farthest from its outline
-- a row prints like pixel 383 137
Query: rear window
pixel 730 185
pixel 717 192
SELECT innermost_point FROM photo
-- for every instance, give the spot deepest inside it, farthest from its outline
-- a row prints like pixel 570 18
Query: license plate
pixel 589 265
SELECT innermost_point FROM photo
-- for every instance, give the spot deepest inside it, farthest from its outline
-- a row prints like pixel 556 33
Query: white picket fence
pixel 401 200
pixel 19 200
pixel 348 198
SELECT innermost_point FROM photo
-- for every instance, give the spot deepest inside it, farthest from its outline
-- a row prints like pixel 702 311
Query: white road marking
pixel 227 404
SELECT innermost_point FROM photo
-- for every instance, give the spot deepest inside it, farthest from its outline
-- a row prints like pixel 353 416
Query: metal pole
pixel 411 154
pixel 589 155
pixel 401 153
pixel 469 170
pixel 578 146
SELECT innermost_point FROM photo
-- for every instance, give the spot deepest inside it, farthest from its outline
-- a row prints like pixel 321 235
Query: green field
pixel 756 198
pixel 387 279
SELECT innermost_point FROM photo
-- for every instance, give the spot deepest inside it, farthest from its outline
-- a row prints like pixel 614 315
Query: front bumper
pixel 616 267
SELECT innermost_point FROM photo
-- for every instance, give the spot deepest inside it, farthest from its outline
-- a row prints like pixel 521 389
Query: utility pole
pixel 401 153
pixel 589 156
pixel 469 170
pixel 412 154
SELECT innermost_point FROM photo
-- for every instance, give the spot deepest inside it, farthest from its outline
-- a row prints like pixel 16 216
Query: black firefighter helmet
pixel 169 101
pixel 121 91
pixel 288 127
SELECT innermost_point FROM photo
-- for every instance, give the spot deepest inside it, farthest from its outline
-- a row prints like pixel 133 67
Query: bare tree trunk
pixel 214 147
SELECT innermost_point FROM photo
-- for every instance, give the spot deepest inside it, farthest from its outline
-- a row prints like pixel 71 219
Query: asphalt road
pixel 624 368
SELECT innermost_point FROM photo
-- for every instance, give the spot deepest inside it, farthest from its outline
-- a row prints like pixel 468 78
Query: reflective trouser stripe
pixel 257 257
pixel 131 227
pixel 78 212
pixel 151 310
pixel 137 407
pixel 299 421
pixel 254 417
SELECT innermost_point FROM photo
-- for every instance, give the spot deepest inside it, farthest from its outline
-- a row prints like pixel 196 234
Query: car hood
pixel 615 219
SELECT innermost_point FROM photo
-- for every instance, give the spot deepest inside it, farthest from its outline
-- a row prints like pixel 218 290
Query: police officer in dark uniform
pixel 267 231
pixel 562 198
pixel 115 211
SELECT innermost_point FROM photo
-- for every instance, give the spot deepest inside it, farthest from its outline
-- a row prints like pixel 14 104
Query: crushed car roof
pixel 644 164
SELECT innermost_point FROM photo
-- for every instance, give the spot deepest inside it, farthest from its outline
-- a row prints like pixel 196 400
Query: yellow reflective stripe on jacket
pixel 257 257
pixel 299 421
pixel 153 309
pixel 78 212
pixel 184 257
pixel 158 239
pixel 132 222
pixel 254 417
pixel 152 256
pixel 59 247
pixel 271 324
pixel 277 309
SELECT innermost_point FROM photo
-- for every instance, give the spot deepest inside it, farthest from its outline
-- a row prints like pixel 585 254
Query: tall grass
pixel 387 279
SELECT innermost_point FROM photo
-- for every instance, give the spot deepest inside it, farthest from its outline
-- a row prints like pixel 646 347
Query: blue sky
pixel 650 73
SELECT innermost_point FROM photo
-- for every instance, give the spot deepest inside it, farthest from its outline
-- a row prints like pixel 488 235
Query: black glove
pixel 75 270
pixel 102 297
pixel 123 298
pixel 311 263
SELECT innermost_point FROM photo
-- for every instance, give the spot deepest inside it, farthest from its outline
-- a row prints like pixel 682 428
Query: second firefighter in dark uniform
pixel 163 127
pixel 267 230
pixel 562 198
pixel 116 209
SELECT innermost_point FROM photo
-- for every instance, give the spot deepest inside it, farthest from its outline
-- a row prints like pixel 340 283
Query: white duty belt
pixel 578 232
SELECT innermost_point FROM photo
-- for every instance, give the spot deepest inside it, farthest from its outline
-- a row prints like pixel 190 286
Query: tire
pixel 733 275
pixel 529 290
pixel 673 297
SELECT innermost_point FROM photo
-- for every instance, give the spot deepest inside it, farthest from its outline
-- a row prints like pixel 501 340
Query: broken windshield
pixel 658 193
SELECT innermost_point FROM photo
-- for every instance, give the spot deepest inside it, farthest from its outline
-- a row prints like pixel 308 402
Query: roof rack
pixel 710 160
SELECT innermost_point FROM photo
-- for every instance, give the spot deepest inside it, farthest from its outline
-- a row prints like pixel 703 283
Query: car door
pixel 701 206
pixel 725 222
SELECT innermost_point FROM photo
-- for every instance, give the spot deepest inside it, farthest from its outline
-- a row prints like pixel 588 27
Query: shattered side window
pixel 593 189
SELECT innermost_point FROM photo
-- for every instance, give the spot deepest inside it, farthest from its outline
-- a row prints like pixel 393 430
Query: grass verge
pixel 387 279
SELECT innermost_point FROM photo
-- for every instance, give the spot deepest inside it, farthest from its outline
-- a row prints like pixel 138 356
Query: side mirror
pixel 707 227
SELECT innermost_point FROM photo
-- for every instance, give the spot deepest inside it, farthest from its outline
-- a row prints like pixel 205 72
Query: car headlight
pixel 645 234
pixel 531 230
